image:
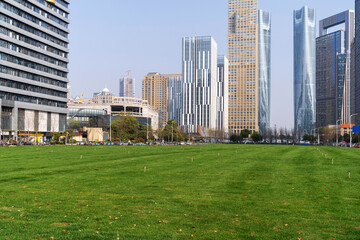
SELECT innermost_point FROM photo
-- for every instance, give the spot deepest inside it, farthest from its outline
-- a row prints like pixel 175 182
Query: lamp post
pixel 172 132
pixel 351 130
pixel 147 129
pixel 337 132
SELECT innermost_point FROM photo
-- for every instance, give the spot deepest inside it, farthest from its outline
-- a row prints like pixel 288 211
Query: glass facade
pixel 357 59
pixel 264 70
pixel 340 84
pixel 304 70
pixel 243 65
pixel 327 80
pixel 127 87
pixel 174 98
pixel 331 62
pixel 199 66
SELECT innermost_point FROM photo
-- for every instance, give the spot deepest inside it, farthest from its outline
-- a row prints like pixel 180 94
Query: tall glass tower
pixel 243 54
pixel 199 84
pixel 357 59
pixel 331 54
pixel 264 70
pixel 304 70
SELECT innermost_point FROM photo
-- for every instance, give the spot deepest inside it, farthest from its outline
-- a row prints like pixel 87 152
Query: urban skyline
pixel 169 49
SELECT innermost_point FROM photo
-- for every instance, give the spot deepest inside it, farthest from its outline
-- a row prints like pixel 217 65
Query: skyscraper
pixel 264 70
pixel 222 95
pixel 199 84
pixel 33 67
pixel 243 65
pixel 174 97
pixel 127 87
pixel 357 59
pixel 304 70
pixel 154 90
pixel 331 54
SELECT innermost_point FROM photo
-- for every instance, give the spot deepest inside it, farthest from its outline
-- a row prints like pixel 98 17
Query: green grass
pixel 187 192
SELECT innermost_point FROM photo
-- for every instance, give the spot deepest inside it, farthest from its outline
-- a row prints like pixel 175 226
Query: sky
pixel 108 39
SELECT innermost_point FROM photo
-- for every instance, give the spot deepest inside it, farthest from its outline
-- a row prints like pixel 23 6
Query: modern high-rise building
pixel 127 87
pixel 357 60
pixel 199 67
pixel 33 67
pixel 331 54
pixel 264 70
pixel 154 90
pixel 174 97
pixel 304 70
pixel 243 55
pixel 222 95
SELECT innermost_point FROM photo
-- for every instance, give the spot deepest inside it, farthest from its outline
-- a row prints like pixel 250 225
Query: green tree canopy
pixel 171 131
pixel 146 130
pixel 245 133
pixel 256 137
pixel 125 127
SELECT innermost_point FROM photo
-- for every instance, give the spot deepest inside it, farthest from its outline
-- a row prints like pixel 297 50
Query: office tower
pixel 243 66
pixel 33 68
pixel 174 97
pixel 357 59
pixel 332 48
pixel 222 95
pixel 127 87
pixel 199 67
pixel 264 70
pixel 154 90
pixel 304 70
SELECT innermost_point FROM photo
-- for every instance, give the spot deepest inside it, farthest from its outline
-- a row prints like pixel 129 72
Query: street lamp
pixel 172 132
pixel 147 129
pixel 351 130
pixel 337 132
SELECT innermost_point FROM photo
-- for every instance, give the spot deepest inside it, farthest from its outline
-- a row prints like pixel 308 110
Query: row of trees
pixel 245 134
pixel 128 128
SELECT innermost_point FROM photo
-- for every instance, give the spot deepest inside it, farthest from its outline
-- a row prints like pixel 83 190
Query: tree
pixel 146 131
pixel 70 133
pixel 172 132
pixel 256 137
pixel 125 127
pixel 235 138
pixel 346 137
pixel 158 133
pixel 245 133
pixel 73 124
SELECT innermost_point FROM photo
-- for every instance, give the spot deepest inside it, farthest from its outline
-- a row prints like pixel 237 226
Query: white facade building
pixel 222 95
pixel 199 68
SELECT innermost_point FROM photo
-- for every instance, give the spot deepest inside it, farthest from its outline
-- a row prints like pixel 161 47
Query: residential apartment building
pixel 243 41
pixel 33 67
pixel 154 90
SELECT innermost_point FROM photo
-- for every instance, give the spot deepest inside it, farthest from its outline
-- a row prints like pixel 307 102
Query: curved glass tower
pixel 264 70
pixel 304 70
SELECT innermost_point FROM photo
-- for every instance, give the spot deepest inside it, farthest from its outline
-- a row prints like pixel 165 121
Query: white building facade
pixel 199 68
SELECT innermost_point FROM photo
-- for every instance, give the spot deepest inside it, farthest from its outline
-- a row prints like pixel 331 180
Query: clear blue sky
pixel 113 36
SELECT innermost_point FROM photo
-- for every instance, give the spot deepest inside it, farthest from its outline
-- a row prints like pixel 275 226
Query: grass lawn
pixel 187 192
